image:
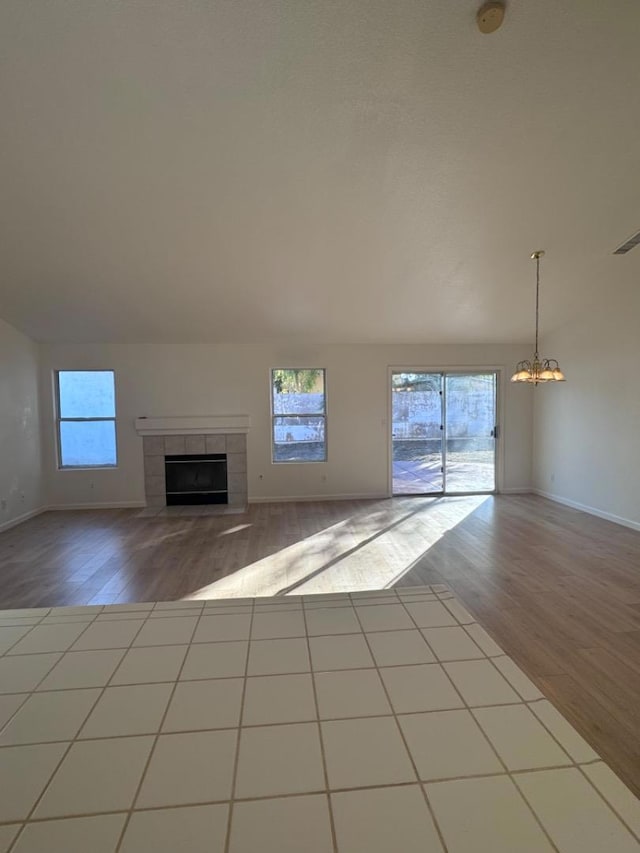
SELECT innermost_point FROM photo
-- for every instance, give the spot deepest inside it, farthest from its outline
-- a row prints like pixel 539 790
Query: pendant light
pixel 538 370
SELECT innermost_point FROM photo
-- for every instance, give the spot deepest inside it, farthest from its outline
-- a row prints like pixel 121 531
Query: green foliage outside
pixel 297 381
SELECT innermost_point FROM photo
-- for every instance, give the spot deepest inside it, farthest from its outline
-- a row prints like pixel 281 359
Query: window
pixel 299 415
pixel 86 418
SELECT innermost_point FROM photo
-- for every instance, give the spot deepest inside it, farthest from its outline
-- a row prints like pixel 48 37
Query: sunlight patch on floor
pixel 236 529
pixel 359 553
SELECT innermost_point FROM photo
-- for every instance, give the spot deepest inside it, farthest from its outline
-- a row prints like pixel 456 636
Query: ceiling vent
pixel 628 245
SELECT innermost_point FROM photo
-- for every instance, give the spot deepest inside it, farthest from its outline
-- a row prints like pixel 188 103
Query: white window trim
pixel 59 419
pixel 297 415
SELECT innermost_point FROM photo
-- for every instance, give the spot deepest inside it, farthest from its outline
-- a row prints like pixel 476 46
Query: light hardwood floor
pixel 558 589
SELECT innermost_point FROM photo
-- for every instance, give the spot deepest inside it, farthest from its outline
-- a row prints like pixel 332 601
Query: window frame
pixel 322 415
pixel 60 419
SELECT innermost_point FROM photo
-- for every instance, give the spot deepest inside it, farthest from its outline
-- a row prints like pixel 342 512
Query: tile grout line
pixel 325 771
pixel 406 745
pixel 466 627
pixel 158 646
pixel 553 736
pixel 486 737
pixel 203 642
pixel 491 746
pixel 66 752
pixel 542 698
pixel 7 651
pixel 523 701
pixel 365 716
pixel 502 654
pixel 22 704
pixel 236 762
pixel 50 652
pixel 181 614
pixel 266 797
pixel 30 628
pixel 571 761
pixel 7 723
pixel 145 620
pixel 399 714
pixel 635 834
pixel 156 737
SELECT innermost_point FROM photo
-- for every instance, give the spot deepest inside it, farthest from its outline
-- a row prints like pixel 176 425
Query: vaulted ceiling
pixel 328 170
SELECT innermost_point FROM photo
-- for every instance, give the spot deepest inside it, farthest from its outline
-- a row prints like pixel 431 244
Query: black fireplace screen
pixel 198 479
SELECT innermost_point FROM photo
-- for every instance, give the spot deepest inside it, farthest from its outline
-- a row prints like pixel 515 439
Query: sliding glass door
pixel 443 432
pixel 417 433
pixel 470 432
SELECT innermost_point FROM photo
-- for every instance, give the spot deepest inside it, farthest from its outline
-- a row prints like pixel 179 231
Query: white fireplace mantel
pixel 194 425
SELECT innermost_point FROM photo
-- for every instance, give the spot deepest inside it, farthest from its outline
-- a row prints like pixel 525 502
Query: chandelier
pixel 538 370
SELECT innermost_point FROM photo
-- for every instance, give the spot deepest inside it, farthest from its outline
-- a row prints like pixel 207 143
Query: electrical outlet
pixel 22 497
pixel 3 504
pixel 553 478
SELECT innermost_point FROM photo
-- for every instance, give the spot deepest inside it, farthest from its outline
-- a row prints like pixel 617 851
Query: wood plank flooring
pixel 558 589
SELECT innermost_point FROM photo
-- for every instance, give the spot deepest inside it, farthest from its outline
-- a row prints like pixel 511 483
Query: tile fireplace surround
pixel 191 436
pixel 375 722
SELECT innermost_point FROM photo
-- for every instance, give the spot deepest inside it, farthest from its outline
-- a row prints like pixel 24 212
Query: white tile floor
pixel 376 722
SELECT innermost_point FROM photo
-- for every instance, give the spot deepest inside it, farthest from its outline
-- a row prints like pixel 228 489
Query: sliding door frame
pixel 500 372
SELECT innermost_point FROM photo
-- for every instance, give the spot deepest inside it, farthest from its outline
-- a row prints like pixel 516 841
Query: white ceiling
pixel 328 170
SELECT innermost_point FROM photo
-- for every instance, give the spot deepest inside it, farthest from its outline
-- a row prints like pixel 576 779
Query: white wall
pixel 587 430
pixel 234 379
pixel 21 492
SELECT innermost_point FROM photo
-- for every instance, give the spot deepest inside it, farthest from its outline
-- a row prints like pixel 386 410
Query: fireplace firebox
pixel 196 479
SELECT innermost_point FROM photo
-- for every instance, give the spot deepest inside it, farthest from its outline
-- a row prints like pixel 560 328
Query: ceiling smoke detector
pixel 490 17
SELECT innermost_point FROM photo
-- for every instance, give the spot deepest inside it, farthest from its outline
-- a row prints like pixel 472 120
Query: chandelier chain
pixel 537 299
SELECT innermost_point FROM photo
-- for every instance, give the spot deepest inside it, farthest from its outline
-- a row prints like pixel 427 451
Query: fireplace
pixel 202 438
pixel 196 479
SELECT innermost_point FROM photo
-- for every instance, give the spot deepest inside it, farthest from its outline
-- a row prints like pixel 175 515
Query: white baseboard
pixel 7 525
pixel 608 516
pixel 370 496
pixel 105 505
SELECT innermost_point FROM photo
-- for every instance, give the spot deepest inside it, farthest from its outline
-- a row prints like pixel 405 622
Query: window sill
pixel 87 467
